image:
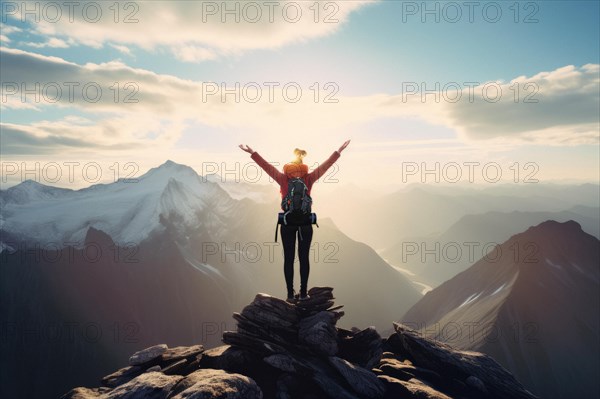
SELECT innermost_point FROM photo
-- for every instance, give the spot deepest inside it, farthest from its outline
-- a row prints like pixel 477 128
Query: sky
pixel 428 92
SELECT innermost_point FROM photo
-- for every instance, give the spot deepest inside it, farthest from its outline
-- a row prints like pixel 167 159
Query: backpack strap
pixel 285 217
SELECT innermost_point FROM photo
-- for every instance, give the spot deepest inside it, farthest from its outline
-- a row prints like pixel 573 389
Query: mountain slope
pixel 468 239
pixel 533 306
pixel 420 210
pixel 128 210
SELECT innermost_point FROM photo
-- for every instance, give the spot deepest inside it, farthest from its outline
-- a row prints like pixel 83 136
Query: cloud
pixel 72 136
pixel 165 106
pixel 122 49
pixel 19 139
pixel 559 106
pixel 194 30
pixel 7 30
pixel 51 42
pixel 107 87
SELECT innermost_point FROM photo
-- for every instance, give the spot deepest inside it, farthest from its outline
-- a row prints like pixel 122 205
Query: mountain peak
pixel 31 190
pixel 29 184
pixel 553 225
pixel 172 164
pixel 170 168
pixel 281 347
pixel 169 163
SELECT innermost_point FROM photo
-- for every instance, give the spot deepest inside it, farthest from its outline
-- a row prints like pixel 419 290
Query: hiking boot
pixel 291 296
pixel 303 296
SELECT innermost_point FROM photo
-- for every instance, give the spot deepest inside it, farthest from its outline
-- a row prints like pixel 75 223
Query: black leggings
pixel 288 237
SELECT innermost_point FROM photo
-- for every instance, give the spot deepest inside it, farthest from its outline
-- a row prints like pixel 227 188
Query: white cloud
pixel 196 30
pixel 53 42
pixel 560 106
pixel 122 49
pixel 566 113
pixel 7 30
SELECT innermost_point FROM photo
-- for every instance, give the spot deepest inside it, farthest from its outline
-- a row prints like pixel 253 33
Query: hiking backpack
pixel 296 206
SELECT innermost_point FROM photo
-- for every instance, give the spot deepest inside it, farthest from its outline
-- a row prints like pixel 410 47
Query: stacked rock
pixel 302 344
pixel 295 351
pixel 159 372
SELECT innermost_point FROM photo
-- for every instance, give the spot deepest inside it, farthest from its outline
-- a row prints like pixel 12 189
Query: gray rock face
pixel 361 347
pixel 216 384
pixel 476 383
pixel 295 351
pixel 86 393
pixel 318 332
pixel 151 385
pixel 476 372
pixel 300 339
pixel 362 381
pixel 181 352
pixel 410 389
pixel 147 354
pixel 122 376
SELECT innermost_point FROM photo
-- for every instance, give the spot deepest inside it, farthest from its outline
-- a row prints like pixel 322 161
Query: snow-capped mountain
pixel 199 255
pixel 29 191
pixel 533 305
pixel 128 210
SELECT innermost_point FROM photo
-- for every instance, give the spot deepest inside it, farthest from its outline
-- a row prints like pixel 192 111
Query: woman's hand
pixel 344 146
pixel 247 149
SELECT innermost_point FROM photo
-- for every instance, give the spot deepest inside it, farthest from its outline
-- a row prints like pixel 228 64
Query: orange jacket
pixel 294 170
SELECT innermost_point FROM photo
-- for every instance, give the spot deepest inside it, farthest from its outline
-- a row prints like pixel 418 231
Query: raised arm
pixel 271 170
pixel 321 169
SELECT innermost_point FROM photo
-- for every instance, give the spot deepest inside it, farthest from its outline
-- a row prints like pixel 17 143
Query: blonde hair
pixel 298 152
pixel 299 155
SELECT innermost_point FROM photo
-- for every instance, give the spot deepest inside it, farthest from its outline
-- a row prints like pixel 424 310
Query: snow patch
pixel 498 289
pixel 470 299
pixel 548 261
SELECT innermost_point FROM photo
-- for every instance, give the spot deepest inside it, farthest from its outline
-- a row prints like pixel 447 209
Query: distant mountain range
pixel 117 267
pixel 89 276
pixel 383 221
pixel 472 237
pixel 533 306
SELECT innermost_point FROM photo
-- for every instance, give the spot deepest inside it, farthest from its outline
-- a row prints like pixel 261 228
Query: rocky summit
pixel 294 350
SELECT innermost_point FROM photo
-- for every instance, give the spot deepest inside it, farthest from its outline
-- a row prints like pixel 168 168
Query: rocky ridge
pixel 287 351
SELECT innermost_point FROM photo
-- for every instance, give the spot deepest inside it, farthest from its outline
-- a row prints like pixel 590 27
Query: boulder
pixel 362 347
pixel 461 365
pixel 362 381
pixel 151 385
pixel 122 376
pixel 318 332
pixel 181 352
pixel 85 393
pixel 216 384
pixel 147 355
